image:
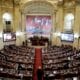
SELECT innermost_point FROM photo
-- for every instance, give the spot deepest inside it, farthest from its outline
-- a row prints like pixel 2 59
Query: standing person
pixel 47 77
pixel 39 73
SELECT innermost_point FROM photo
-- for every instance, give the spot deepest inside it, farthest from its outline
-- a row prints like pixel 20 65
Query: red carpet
pixel 37 61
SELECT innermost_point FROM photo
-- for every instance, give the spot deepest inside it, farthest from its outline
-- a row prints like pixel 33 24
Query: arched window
pixel 7 18
pixel 68 22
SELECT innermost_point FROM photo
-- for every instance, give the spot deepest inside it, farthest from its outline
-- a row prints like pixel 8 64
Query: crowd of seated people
pixel 61 61
pixel 58 62
pixel 16 61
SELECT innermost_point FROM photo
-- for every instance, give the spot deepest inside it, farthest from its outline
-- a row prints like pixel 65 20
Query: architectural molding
pixel 38 7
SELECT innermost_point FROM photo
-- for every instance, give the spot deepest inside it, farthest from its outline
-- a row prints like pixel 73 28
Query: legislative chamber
pixel 39 39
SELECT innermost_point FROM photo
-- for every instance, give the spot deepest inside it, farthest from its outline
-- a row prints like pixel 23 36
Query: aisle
pixel 37 61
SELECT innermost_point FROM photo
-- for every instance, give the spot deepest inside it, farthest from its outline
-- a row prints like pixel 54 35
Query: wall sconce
pixel 18 33
pixel 57 34
pixel 1 35
pixel 76 35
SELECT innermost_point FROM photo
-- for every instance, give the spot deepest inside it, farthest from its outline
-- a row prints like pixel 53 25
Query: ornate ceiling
pixel 65 3
pixel 53 2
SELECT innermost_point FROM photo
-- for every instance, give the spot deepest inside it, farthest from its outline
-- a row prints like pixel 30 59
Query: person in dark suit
pixel 19 68
pixel 47 77
pixel 39 73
